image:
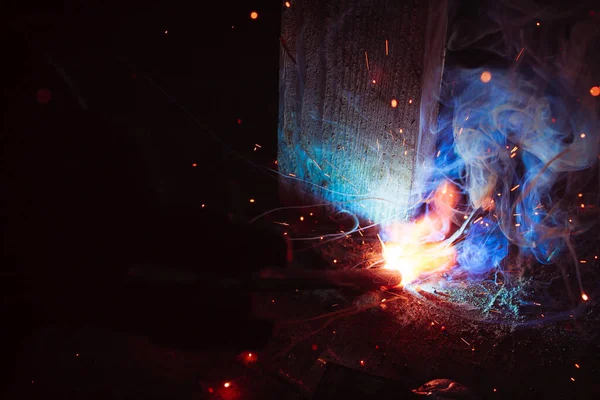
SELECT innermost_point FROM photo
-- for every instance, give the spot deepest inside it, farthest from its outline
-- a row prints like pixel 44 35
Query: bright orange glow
pixel 416 248
pixel 394 103
pixel 584 297
pixel 227 384
pixel 194 165
pixel 252 200
pixel 253 15
pixel 486 76
pixel 301 218
pixel 287 4
pixel 595 91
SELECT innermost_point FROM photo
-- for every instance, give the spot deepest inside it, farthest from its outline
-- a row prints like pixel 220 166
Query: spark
pixel 386 48
pixel 438 153
pixel 253 15
pixel 194 165
pixel 582 205
pixel 252 200
pixel 515 188
pixel 519 55
pixel 582 135
pixel 468 344
pixel 517 224
pixel 409 101
pixel 335 261
pixel 287 4
pixel 595 91
pixel 395 104
pixel 362 363
pixel 583 261
pixel 292 175
pixel 584 297
pixel 486 76
pixel 513 155
pixel 573 379
pixel 514 149
pixel 367 60
pixel 401 130
pixel 374 81
pixel 537 23
pixel 203 205
pixel 577 366
pixel 227 384
pixel 301 218
pixel 477 220
pixel 281 223
pixel 166 32
pixel 580 195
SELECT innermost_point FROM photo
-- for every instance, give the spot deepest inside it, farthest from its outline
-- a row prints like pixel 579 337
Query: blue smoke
pixel 510 143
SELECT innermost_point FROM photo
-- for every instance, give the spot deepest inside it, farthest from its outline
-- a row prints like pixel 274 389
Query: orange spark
pixel 253 15
pixel 227 384
pixel 394 103
pixel 367 60
pixel 584 297
pixel 287 4
pixel 519 55
pixel 595 91
pixel 486 76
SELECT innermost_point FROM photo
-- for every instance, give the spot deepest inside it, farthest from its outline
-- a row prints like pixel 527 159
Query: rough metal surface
pixel 342 64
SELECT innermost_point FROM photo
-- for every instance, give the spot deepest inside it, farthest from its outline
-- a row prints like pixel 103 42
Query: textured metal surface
pixel 342 64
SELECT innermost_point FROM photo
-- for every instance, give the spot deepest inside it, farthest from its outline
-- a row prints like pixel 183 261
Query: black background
pixel 155 109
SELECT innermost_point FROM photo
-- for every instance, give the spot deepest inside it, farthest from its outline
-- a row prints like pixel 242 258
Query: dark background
pixel 121 119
